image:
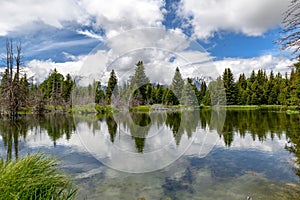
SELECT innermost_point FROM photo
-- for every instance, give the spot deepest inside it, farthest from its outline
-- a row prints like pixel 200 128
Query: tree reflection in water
pixel 259 124
pixel 56 126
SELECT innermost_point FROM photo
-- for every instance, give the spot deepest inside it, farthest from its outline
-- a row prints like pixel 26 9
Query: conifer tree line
pixel 23 96
pixel 259 88
pixel 263 89
pixel 18 94
pixel 140 91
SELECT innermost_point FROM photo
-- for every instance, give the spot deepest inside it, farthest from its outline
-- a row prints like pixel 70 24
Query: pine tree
pixel 111 87
pixel 141 78
pixel 4 89
pixel 206 99
pixel 56 93
pixel 171 98
pixel 153 99
pixel 230 87
pixel 294 85
pixel 202 92
pixel 241 87
pixel 249 90
pixel 282 85
pixel 262 80
pixel 159 94
pixel 188 96
pixel 217 92
pixel 150 91
pixel 68 85
pixel 24 91
pixel 99 94
pixel 177 84
pixel 54 88
pixel 272 94
pixel 255 99
pixel 138 85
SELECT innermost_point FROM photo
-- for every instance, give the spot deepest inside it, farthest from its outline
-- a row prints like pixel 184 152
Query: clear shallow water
pixel 191 155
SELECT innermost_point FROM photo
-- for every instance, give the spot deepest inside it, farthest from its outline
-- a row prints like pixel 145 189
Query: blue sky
pixel 64 33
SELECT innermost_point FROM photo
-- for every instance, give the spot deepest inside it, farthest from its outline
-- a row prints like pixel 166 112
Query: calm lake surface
pixel 167 155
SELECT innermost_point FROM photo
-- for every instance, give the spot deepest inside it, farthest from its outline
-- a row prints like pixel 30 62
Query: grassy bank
pixel 96 108
pixel 83 109
pixel 34 177
pixel 279 108
pixel 140 109
pixel 262 107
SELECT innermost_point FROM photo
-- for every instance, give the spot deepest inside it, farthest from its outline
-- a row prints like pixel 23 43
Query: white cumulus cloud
pixel 114 16
pixel 265 62
pixel 250 17
pixel 118 16
pixel 40 69
pixel 17 13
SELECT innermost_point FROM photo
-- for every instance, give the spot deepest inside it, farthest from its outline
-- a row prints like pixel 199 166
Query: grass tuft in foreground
pixel 34 177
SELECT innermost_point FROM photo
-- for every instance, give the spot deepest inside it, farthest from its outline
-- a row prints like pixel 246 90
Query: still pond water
pixel 167 155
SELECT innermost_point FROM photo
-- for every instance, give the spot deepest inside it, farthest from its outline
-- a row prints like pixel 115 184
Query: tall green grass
pixel 140 109
pixel 34 177
pixel 82 109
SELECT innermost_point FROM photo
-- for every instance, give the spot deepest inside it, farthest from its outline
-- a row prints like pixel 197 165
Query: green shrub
pixel 105 109
pixel 290 112
pixel 83 109
pixel 100 109
pixel 140 109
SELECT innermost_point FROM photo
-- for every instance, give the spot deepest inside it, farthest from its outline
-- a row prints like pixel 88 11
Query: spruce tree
pixel 272 94
pixel 159 93
pixel 24 91
pixel 68 85
pixel 171 98
pixel 153 99
pixel 294 86
pixel 241 87
pixel 249 90
pixel 262 87
pixel 53 88
pixel 217 92
pixel 188 96
pixel 111 87
pixel 206 98
pixel 99 94
pixel 202 92
pixel 230 87
pixel 138 85
pixel 281 88
pixel 177 84
pixel 139 79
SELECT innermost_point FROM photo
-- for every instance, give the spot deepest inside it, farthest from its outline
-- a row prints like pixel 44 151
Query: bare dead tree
pixel 17 93
pixel 11 93
pixel 8 89
pixel 291 28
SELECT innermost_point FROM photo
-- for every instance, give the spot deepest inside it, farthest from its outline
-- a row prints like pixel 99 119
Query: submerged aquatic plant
pixel 34 177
